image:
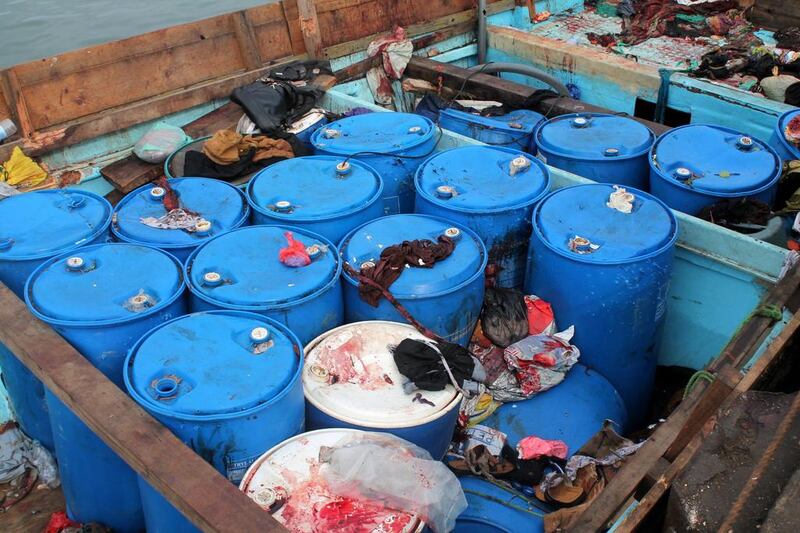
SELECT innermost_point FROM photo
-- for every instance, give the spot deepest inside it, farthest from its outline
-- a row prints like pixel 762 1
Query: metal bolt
pixel 445 192
pixel 283 206
pixel 75 263
pixel 580 122
pixel 453 233
pixel 157 193
pixel 212 278
pixel 683 173
pixel 318 372
pixel 259 334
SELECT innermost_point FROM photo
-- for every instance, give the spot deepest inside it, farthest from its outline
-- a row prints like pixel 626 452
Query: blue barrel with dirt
pixel 351 381
pixel 698 165
pixel 787 149
pixel 445 296
pixel 324 194
pixel 226 383
pixel 102 299
pixel 602 256
pixel 511 130
pixel 494 509
pixel 394 144
pixel 600 147
pixel 205 208
pixel 35 227
pixel 242 271
pixel 490 190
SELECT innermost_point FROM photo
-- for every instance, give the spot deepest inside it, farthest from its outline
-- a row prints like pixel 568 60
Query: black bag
pixel 504 317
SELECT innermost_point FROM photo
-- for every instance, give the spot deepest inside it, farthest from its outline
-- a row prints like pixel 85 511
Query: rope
pixel 769 311
pixel 695 379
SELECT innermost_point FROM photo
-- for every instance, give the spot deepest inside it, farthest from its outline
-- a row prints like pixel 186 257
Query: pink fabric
pixel 294 255
pixel 534 448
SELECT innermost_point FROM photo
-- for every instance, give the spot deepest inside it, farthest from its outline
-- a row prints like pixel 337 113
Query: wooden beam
pixel 16 102
pixel 509 92
pixel 309 25
pixel 246 38
pixel 193 486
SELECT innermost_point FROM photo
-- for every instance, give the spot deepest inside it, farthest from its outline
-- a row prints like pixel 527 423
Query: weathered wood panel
pixel 775 14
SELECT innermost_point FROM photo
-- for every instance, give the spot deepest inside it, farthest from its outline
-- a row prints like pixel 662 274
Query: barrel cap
pixel 217 202
pixel 288 480
pixel 482 178
pixel 721 160
pixel 104 283
pixel 594 136
pixel 585 224
pixel 374 132
pixel 212 363
pixel 247 261
pixel 367 242
pixel 350 374
pixel 315 188
pixel 41 224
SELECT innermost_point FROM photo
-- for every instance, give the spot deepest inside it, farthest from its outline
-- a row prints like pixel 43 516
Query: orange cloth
pixel 227 146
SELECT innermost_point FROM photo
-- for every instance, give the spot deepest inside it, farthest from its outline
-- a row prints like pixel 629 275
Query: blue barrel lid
pixel 374 132
pixel 45 223
pixel 110 282
pixel 313 188
pixel 594 136
pixel 241 268
pixel 715 159
pixel 517 121
pixel 213 363
pixel 482 178
pixel 783 121
pixel 579 223
pixel 368 241
pixel 216 201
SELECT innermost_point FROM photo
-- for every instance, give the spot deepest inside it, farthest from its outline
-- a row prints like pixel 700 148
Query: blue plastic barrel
pixel 446 298
pixel 786 151
pixel 101 299
pixel 324 194
pixel 351 381
pixel 34 227
pixel 599 147
pixel 490 190
pixel 394 144
pixel 241 271
pixel 492 509
pixel 698 165
pixel 305 127
pixel 227 383
pixel 607 273
pixel 220 205
pixel 292 472
pixel 512 130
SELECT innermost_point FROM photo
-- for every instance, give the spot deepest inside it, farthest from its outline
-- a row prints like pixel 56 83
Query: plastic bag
pixel 541 320
pixel 382 467
pixel 295 254
pixel 19 452
pixel 541 362
pixel 504 318
pixel 159 142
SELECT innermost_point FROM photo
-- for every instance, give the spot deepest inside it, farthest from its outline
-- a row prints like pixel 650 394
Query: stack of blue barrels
pixel 240 363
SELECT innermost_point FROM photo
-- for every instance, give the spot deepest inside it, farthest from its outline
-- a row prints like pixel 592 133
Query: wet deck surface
pixel 33 512
pixel 669 52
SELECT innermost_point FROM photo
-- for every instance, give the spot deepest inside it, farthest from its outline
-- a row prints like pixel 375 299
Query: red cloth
pixel 294 255
pixel 540 316
pixel 58 522
pixel 170 200
pixel 534 448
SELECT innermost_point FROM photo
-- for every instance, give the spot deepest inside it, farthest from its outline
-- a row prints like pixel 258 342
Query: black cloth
pixel 274 105
pixel 420 253
pixel 431 106
pixel 504 317
pixel 788 38
pixel 422 364
pixel 197 164
pixel 792 96
pixel 300 70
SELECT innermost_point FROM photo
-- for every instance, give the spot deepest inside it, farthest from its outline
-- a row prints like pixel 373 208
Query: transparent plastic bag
pixel 383 467
pixel 159 142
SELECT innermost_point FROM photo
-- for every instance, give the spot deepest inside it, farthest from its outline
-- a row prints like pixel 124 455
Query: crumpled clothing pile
pixel 176 219
pixel 226 147
pixel 20 171
pixel 433 366
pixel 23 463
pixel 395 51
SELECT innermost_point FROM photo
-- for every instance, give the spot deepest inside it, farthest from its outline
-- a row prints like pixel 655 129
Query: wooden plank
pixel 775 14
pixel 31 514
pixel 309 26
pixel 272 31
pixel 494 88
pixel 138 112
pixel 245 36
pixel 292 18
pixel 131 172
pixel 193 486
pixel 16 100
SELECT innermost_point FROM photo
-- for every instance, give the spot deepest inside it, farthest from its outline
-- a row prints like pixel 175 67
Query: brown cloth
pixel 227 147
pixel 417 254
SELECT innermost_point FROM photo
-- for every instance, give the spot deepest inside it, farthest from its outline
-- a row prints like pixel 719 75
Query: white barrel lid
pixel 291 471
pixel 350 374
